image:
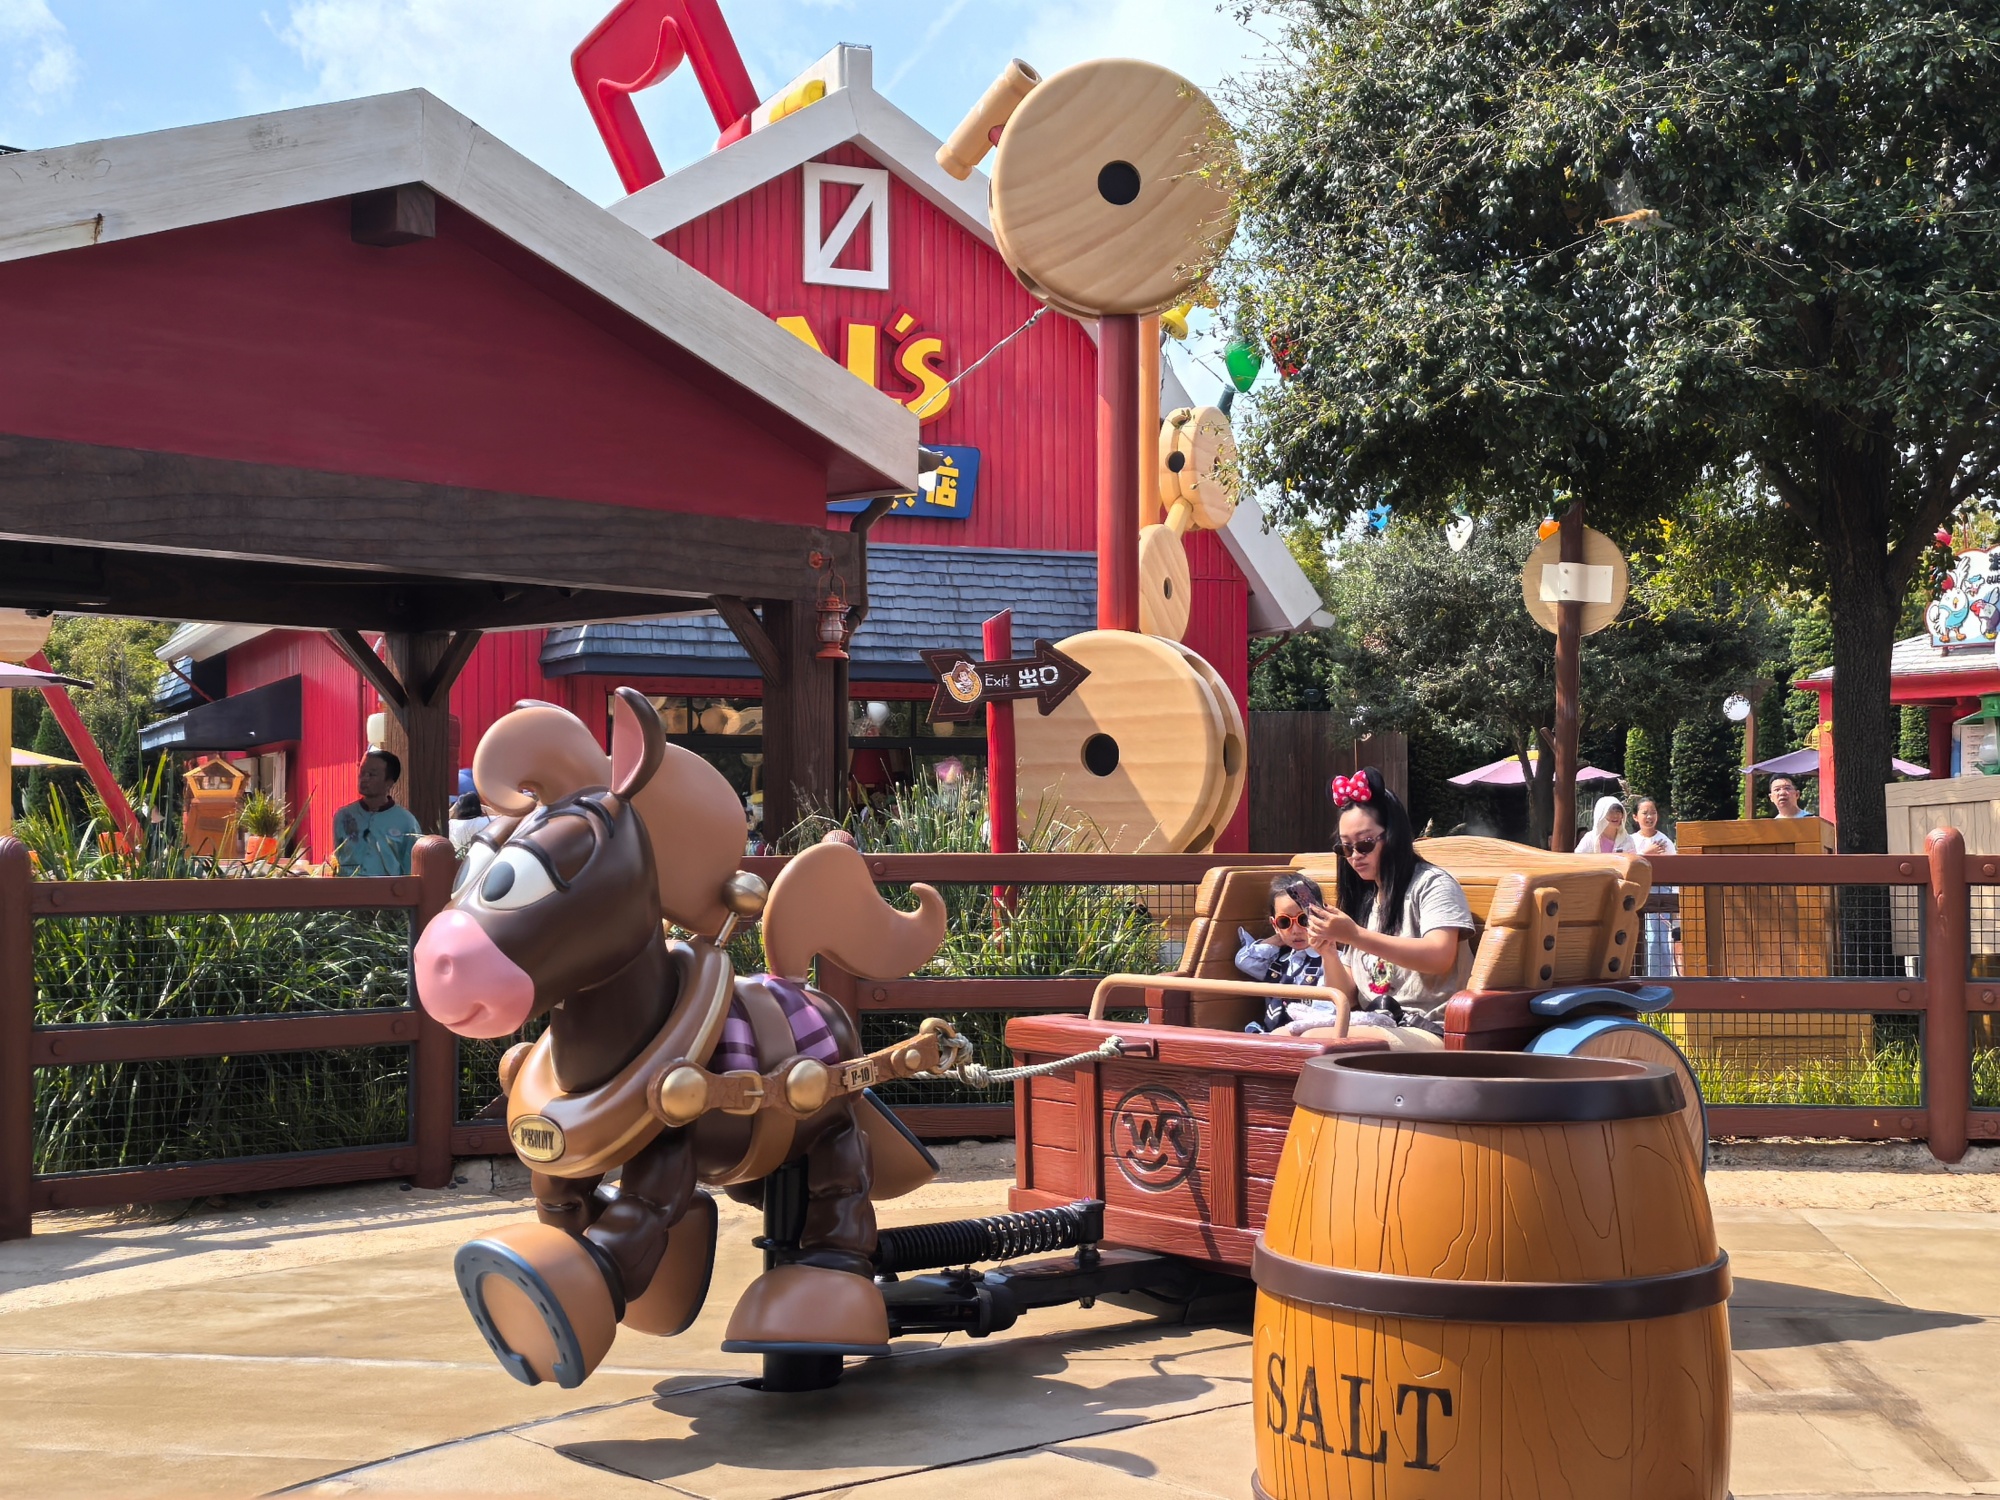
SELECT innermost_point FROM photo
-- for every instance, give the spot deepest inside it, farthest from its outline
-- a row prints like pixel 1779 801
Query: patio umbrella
pixel 29 760
pixel 1806 763
pixel 12 676
pixel 1508 773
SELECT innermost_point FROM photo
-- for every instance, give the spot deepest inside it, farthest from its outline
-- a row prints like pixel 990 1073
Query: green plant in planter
pixel 262 816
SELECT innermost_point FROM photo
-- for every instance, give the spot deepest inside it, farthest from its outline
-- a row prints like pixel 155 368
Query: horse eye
pixel 477 858
pixel 516 879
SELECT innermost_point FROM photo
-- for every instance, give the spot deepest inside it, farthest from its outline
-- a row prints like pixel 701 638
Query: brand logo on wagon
pixel 1154 1138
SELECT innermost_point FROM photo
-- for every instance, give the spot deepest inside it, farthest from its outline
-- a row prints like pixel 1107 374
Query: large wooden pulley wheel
pixel 1111 188
pixel 1141 749
pixel 1198 465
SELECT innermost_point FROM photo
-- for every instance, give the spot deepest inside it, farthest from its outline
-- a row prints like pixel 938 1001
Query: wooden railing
pixel 25 1046
pixel 1931 982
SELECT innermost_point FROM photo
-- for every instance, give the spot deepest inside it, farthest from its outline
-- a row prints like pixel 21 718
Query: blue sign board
pixel 949 497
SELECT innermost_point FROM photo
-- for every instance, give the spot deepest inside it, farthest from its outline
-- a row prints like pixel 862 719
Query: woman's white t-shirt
pixel 1434 900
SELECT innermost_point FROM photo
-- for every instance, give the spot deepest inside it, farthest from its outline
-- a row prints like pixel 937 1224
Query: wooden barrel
pixel 1490 1274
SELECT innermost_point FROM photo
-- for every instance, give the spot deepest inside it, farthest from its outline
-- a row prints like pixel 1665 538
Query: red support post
pixel 94 765
pixel 17 1024
pixel 435 1075
pixel 1947 1042
pixel 1117 472
pixel 1003 812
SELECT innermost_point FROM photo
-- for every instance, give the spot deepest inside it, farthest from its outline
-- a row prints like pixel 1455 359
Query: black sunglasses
pixel 1356 848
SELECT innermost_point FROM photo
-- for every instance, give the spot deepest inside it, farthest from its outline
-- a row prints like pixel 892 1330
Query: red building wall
pixel 263 339
pixel 1030 409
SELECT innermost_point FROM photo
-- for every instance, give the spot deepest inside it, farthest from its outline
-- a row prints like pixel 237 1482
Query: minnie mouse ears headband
pixel 1347 790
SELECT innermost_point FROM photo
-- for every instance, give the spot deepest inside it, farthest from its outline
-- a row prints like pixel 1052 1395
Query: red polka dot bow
pixel 1348 789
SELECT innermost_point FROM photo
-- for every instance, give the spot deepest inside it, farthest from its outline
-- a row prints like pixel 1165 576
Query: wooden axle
pixel 801 1085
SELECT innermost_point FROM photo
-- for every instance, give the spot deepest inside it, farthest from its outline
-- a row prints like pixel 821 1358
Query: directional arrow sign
pixel 965 685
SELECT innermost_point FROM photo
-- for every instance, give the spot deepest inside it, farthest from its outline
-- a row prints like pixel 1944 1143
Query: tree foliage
pixel 1506 247
pixel 1437 641
pixel 116 657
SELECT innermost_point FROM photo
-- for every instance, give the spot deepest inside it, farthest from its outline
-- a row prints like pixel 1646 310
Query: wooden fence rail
pixel 1935 985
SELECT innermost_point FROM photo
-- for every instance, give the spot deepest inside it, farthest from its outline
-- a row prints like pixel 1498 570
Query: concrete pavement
pixel 317 1343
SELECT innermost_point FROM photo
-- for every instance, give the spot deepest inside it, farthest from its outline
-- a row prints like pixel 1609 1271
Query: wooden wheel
pixel 1111 188
pixel 1235 753
pixel 1166 591
pixel 1621 1036
pixel 1198 464
pixel 1138 748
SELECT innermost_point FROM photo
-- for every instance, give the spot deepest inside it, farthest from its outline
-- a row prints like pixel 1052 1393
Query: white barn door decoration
pixel 869 206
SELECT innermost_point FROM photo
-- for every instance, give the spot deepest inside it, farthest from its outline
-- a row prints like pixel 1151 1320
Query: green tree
pixel 1436 642
pixel 1913 735
pixel 1705 778
pixel 116 657
pixel 1537 243
pixel 1646 768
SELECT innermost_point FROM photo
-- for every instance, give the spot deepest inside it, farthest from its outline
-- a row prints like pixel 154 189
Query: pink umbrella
pixel 12 676
pixel 1508 773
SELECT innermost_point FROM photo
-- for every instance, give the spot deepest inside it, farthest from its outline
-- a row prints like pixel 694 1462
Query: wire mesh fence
pixel 206 965
pixel 1784 932
pixel 1832 1058
pixel 1062 931
pixel 146 1114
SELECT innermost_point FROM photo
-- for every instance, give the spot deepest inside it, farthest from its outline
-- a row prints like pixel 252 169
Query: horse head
pixel 553 900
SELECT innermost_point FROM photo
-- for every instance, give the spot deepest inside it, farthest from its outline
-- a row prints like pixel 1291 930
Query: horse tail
pixel 824 901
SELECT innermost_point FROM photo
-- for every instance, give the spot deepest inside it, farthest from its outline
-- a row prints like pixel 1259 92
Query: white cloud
pixel 45 65
pixel 1196 38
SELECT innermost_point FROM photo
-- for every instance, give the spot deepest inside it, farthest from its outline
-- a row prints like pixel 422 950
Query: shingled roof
pixel 919 596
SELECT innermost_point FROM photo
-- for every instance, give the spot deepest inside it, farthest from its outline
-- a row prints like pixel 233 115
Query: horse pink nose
pixel 467 983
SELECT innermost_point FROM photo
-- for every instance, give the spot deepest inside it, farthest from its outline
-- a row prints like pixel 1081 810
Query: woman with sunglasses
pixel 1401 929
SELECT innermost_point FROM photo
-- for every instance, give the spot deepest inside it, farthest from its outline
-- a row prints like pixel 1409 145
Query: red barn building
pixel 836 222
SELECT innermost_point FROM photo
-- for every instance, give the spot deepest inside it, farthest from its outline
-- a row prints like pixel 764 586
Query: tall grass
pixel 1042 931
pixel 199 966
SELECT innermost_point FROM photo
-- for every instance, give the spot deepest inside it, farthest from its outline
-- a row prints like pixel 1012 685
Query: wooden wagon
pixel 1180 1134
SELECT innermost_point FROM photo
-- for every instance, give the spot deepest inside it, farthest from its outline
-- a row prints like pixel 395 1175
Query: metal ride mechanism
pixel 929 1274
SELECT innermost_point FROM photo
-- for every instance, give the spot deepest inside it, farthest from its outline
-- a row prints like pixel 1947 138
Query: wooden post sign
pixel 965 686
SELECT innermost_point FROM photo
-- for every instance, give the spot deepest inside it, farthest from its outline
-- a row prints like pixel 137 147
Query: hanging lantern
pixel 1243 362
pixel 834 631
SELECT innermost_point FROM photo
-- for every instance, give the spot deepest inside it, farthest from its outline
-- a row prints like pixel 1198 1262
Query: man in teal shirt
pixel 374 836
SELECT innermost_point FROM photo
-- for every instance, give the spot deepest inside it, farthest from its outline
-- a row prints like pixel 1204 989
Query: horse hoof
pixel 808 1310
pixel 674 1296
pixel 539 1299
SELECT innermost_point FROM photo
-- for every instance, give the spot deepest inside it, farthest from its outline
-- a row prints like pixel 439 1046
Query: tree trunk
pixel 1864 600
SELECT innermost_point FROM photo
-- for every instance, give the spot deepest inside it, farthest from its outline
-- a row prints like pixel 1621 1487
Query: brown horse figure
pixel 558 910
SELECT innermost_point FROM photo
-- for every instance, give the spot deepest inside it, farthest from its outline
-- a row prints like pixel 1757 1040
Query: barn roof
pixel 73 197
pixel 918 597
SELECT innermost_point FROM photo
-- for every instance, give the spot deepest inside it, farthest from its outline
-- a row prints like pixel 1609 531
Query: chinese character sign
pixel 946 495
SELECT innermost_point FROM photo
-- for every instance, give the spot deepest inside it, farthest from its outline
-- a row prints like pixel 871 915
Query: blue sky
pixel 76 70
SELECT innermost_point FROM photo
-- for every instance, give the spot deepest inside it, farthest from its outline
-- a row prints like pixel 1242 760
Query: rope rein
pixel 977 1075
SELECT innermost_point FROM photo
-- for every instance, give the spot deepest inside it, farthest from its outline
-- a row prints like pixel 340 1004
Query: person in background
pixel 1784 796
pixel 1648 840
pixel 373 835
pixel 1607 833
pixel 468 814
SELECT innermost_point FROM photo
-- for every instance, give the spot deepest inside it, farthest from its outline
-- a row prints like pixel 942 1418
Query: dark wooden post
pixel 805 729
pixel 1947 1044
pixel 435 1076
pixel 1569 664
pixel 17 1023
pixel 425 720
pixel 1117 472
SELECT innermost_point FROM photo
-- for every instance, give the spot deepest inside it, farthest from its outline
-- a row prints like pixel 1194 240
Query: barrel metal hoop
pixel 1388 1296
pixel 1487 1088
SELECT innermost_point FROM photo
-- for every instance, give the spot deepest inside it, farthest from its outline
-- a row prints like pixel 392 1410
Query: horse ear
pixel 638 741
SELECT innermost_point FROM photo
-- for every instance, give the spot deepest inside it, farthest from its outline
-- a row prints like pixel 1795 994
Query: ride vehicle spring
pixel 961 1242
